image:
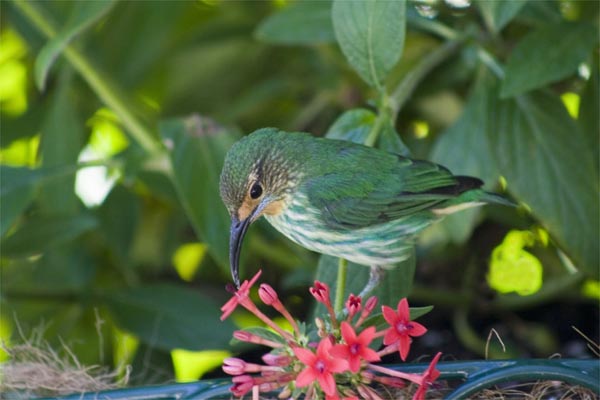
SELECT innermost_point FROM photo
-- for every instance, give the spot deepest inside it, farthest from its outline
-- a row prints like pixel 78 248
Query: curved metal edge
pixel 584 373
pixel 478 375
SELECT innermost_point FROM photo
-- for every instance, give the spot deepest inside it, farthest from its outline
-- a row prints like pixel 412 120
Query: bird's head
pixel 256 180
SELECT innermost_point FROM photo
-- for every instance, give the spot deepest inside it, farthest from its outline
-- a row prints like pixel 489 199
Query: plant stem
pixel 340 287
pixel 92 76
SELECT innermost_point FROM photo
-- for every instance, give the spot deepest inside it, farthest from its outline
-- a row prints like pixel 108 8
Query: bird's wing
pixel 382 190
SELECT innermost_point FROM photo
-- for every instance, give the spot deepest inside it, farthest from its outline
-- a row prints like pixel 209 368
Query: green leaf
pixel 14 199
pixel 42 233
pixel 389 140
pixel 465 149
pixel 18 186
pixel 371 36
pixel 353 125
pixel 498 13
pixel 83 15
pixel 119 217
pixel 548 165
pixel 547 55
pixel 198 148
pixel 61 141
pixel 302 22
pixel 169 317
pixel 588 114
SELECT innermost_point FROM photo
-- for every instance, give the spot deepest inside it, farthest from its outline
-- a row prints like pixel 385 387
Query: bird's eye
pixel 256 191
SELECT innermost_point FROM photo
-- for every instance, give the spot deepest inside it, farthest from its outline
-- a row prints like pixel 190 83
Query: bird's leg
pixel 375 275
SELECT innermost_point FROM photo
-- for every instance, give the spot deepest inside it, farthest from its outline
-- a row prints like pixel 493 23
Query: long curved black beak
pixel 236 237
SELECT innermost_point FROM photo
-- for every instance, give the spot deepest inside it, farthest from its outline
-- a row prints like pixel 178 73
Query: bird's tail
pixel 491 198
pixel 472 198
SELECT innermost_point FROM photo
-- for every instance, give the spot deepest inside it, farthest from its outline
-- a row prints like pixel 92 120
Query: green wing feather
pixel 382 187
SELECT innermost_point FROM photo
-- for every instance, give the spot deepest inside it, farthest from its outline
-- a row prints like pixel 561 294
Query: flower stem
pixel 415 378
pixel 340 286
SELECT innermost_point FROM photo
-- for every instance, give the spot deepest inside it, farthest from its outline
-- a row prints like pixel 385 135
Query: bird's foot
pixel 375 276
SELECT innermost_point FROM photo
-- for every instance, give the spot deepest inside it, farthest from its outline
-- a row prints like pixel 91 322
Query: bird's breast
pixel 377 245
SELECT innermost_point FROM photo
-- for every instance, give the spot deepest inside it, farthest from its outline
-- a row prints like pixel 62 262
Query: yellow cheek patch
pixel 246 208
pixel 274 208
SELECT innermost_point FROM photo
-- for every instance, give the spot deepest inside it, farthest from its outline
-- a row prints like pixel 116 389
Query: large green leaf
pixel 14 198
pixel 588 114
pixel 465 149
pixel 302 22
pixel 548 165
pixel 18 186
pixel 83 15
pixel 498 13
pixel 371 35
pixel 169 317
pixel 197 150
pixel 61 141
pixel 42 233
pixel 547 55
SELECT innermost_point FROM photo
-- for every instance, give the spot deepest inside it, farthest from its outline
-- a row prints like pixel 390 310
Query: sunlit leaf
pixel 187 259
pixel 197 150
pixel 191 365
pixel 125 346
pixel 371 36
pixel 302 22
pixel 542 153
pixel 498 13
pixel 21 153
pixel 83 15
pixel 169 317
pixel 557 49
pixel 513 269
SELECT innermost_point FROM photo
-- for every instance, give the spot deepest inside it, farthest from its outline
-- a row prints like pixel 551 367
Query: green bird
pixel 337 197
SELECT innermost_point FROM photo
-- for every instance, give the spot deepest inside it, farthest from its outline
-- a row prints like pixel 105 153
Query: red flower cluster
pixel 338 366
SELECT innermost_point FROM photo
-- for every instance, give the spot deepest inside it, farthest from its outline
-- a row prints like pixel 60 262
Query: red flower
pixel 320 366
pixel 353 305
pixel 321 292
pixel 430 375
pixel 356 348
pixel 239 297
pixel 401 328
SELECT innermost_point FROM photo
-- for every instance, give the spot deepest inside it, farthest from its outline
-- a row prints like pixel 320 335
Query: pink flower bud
pixel 371 304
pixel 277 360
pixel 353 305
pixel 321 292
pixel 234 366
pixel 267 294
pixel 242 336
pixel 241 385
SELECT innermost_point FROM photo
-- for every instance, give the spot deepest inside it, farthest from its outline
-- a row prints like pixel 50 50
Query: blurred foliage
pixel 116 117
